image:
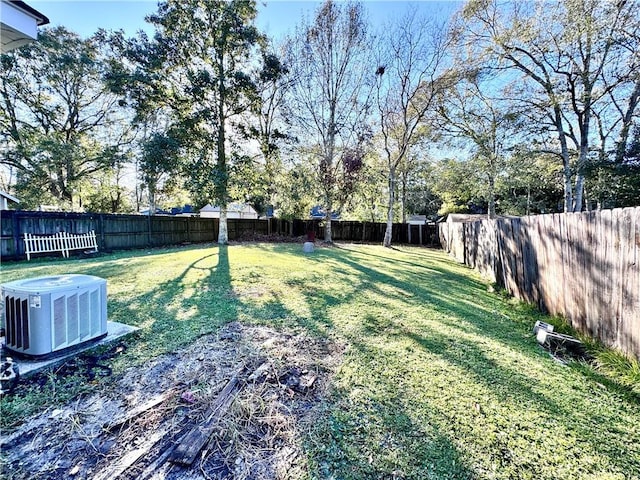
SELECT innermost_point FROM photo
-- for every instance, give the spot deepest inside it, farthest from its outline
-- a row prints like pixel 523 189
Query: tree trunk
pixel 627 122
pixel 566 160
pixel 388 234
pixel 152 198
pixel 328 236
pixel 403 200
pixel 491 210
pixel 587 200
pixel 577 206
pixel 223 236
pixel 223 233
pixel 328 178
pixel 583 158
pixel 327 229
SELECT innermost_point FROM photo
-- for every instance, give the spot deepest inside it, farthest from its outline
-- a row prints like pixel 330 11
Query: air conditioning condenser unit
pixel 48 314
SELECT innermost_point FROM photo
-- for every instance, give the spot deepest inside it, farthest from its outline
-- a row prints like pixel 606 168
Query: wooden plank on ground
pixel 121 465
pixel 192 443
pixel 139 410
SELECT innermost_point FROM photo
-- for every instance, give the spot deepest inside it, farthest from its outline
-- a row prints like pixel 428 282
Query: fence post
pixel 15 233
pixel 149 228
pixel 101 231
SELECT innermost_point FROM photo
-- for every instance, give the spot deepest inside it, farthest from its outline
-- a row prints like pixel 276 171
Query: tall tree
pixel 614 179
pixel 571 56
pixel 159 162
pixel 329 97
pixel 265 125
pixel 137 75
pixel 456 182
pixel 531 183
pixel 59 123
pixel 201 57
pixel 108 192
pixel 469 114
pixel 420 196
pixel 368 202
pixel 410 63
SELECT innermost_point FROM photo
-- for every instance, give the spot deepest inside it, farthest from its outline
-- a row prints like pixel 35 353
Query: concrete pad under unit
pixel 29 366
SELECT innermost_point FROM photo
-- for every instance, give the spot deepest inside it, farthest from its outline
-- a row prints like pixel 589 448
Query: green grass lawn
pixel 440 378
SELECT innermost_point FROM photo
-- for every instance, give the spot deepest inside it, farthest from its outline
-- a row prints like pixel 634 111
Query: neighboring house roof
pixel 472 217
pixel 465 217
pixel 417 219
pixel 19 24
pixel 232 207
pixel 318 213
pixel 11 198
pixel 156 211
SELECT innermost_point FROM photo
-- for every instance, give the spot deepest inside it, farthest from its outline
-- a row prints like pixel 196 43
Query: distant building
pixel 465 217
pixel 417 220
pixel 234 210
pixel 156 211
pixel 5 199
pixel 318 213
pixel 186 211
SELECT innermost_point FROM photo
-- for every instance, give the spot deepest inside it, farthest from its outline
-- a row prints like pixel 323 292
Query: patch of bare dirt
pixel 133 428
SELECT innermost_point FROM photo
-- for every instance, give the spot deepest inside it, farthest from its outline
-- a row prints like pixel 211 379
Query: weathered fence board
pixel 583 266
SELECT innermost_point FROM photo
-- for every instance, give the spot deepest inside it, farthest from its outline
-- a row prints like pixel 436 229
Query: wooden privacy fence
pixel 119 232
pixel 583 266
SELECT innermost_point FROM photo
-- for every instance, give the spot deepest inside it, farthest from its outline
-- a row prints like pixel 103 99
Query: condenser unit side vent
pixel 47 314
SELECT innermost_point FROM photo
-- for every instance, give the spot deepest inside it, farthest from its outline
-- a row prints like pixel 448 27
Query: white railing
pixel 60 242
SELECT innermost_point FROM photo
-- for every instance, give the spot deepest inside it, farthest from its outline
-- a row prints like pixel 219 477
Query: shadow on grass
pixel 367 438
pixel 345 434
pixel 174 313
pixel 463 300
pixel 169 313
pixel 468 332
pixel 409 326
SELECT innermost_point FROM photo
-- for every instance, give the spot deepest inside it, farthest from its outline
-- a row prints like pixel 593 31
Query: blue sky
pixel 276 17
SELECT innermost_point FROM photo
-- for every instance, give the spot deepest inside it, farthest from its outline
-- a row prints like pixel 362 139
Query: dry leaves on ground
pixel 127 430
